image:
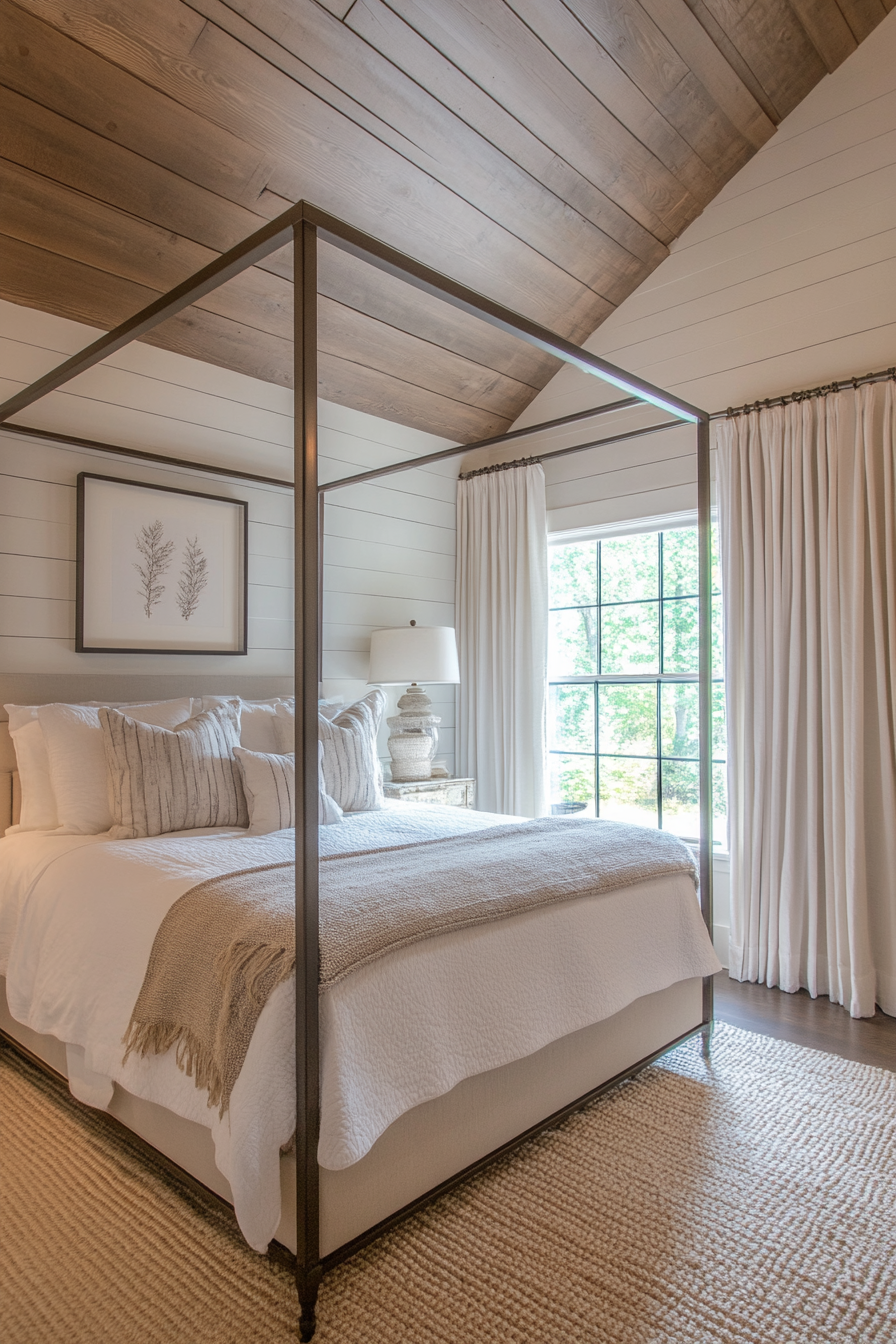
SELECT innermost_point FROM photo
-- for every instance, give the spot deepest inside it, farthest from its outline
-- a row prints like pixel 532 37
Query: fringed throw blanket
pixel 226 944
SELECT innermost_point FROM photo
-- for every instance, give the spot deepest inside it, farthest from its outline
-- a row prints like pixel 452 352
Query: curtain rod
pixel 498 466
pixel 807 395
pixel 576 448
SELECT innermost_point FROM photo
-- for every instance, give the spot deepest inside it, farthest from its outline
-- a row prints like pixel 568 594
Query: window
pixel 622 672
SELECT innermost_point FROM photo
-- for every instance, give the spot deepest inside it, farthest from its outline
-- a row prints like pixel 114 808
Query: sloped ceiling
pixel 544 152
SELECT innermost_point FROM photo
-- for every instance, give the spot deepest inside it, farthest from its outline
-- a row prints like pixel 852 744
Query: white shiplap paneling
pixel 787 280
pixel 37 563
pixel 389 547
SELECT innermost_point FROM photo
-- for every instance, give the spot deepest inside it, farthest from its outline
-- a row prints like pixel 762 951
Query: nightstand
pixel 447 792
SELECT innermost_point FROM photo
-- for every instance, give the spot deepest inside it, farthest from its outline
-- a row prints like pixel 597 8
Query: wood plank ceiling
pixel 544 152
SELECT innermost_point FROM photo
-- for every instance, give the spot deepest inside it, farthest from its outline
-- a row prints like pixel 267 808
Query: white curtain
pixel 807 511
pixel 502 625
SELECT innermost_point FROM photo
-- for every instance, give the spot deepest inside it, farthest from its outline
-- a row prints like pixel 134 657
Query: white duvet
pixel 78 916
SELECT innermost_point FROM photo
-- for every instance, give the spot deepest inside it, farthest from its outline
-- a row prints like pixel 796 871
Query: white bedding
pixel 78 915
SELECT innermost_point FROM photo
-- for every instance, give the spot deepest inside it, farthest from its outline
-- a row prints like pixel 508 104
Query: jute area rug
pixel 753 1201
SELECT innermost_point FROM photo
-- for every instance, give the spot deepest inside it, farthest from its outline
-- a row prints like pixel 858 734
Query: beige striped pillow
pixel 163 780
pixel 353 775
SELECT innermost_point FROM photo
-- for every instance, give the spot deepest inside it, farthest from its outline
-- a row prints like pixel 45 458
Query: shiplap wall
pixel 787 280
pixel 389 548
pixel 389 552
pixel 37 564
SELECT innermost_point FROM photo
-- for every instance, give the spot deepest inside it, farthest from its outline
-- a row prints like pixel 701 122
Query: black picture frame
pixel 93 575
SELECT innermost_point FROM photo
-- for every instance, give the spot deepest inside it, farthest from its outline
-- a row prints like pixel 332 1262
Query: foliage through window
pixel 622 671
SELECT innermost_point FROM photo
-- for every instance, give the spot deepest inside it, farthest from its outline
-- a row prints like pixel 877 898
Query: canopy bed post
pixel 306 653
pixel 304 225
pixel 704 548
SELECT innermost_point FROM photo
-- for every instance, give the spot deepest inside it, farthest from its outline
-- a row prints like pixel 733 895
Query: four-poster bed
pixel 335 1211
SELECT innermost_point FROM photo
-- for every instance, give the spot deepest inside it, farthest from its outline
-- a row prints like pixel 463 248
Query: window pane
pixel 571 718
pixel 680 719
pixel 680 574
pixel 719 808
pixel 716 568
pixel 719 735
pixel 627 720
pixel 572 781
pixel 629 568
pixel 681 798
pixel 628 791
pixel 717 664
pixel 681 640
pixel 573 575
pixel 630 638
pixel 572 643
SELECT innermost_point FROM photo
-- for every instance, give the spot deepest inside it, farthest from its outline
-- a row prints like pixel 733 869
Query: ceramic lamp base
pixel 414 738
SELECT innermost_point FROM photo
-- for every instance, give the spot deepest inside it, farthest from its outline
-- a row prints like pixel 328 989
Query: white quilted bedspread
pixel 78 916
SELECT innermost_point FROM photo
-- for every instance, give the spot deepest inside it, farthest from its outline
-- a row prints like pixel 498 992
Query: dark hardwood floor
pixel 806 1021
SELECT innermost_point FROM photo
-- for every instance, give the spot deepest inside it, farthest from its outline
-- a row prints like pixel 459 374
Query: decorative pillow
pixel 74 740
pixel 256 718
pixel 163 780
pixel 269 781
pixel 38 809
pixel 353 775
pixel 285 720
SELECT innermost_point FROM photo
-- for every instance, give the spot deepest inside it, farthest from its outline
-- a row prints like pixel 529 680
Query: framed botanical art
pixel 160 570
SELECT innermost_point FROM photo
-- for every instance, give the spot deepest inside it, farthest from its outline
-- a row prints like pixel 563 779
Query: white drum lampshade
pixel 410 655
pixel 421 653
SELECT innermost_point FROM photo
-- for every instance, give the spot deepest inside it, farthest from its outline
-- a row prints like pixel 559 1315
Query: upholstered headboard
pixel 44 688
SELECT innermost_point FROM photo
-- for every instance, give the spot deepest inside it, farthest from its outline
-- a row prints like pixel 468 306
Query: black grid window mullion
pixel 599 663
pixel 597 748
pixel 658 680
pixel 659 692
pixel 600 613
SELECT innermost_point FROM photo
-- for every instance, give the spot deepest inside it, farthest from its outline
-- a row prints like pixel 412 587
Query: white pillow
pixel 38 802
pixel 256 718
pixel 38 809
pixel 77 758
pixel 269 782
pixel 353 775
pixel 285 722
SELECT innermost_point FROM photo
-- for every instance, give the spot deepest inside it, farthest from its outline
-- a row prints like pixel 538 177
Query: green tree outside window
pixel 622 668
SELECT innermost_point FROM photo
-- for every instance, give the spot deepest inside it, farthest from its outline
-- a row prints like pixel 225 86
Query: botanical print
pixel 156 554
pixel 193 578
pixel 159 570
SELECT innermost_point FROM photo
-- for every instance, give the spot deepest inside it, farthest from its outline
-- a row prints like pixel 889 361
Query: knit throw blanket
pixel 226 944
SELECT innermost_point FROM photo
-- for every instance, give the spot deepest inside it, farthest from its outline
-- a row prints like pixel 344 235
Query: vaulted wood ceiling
pixel 544 152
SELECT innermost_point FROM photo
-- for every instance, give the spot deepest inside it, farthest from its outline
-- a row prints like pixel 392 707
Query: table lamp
pixel 410 655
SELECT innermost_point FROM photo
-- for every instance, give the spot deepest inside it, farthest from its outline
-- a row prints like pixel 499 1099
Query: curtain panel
pixel 502 630
pixel 807 513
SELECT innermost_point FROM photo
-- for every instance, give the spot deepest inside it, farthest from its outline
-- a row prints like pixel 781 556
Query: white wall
pixel 389 551
pixel 389 547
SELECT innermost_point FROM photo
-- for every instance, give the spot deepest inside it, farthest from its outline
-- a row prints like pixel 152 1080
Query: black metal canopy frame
pixel 305 226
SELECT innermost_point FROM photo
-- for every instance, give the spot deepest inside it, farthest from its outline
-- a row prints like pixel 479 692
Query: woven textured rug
pixel 750 1203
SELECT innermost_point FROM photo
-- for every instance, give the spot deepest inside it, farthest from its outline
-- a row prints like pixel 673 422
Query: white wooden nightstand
pixel 447 792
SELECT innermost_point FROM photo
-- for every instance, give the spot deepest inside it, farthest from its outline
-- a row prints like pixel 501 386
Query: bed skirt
pixel 429 1144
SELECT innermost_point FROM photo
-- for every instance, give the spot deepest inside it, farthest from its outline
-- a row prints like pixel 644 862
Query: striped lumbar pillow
pixel 163 780
pixel 352 772
pixel 270 784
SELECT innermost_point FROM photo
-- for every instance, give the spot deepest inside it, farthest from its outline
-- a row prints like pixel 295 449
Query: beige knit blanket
pixel 226 944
